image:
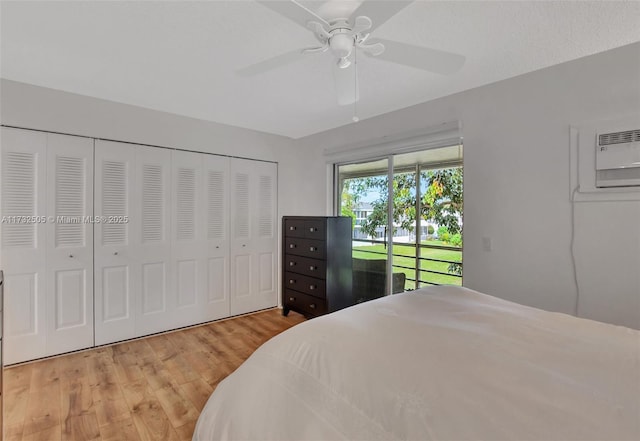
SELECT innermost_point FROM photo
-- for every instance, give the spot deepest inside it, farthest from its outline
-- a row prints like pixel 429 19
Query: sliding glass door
pixel 428 209
pixel 407 209
pixel 363 191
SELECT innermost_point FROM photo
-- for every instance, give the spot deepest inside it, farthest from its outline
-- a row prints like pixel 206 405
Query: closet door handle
pixel 312 306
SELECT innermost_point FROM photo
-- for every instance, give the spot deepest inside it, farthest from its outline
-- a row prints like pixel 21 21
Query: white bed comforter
pixel 441 363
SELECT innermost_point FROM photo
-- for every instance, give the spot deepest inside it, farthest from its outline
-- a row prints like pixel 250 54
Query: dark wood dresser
pixel 316 256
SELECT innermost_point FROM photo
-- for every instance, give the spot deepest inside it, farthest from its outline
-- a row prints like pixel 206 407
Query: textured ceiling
pixel 181 57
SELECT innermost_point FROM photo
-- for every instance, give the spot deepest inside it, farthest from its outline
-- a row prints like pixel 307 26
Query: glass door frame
pixel 390 172
pixel 418 169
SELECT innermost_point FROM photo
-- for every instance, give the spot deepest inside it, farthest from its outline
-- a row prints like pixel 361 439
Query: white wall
pixel 516 147
pixel 40 108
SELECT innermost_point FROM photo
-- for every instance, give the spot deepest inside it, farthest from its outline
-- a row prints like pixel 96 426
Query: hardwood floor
pixel 149 389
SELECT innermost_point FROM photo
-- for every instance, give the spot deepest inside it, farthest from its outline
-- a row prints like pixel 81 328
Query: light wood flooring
pixel 149 389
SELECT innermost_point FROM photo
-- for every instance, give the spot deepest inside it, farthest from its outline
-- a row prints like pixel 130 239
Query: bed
pixel 444 363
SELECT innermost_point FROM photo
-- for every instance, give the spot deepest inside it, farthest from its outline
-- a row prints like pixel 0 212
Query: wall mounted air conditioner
pixel 618 159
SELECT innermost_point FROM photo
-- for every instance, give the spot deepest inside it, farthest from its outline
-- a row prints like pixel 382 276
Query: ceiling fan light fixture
pixel 341 44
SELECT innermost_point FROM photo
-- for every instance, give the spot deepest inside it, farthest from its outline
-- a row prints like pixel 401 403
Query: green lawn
pixel 400 251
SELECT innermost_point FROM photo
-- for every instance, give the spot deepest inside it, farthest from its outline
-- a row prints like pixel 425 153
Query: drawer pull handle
pixel 312 287
pixel 292 245
pixel 291 281
pixel 312 306
pixel 313 249
pixel 292 264
pixel 313 230
pixel 71 256
pixel 312 268
pixel 292 228
pixel 292 299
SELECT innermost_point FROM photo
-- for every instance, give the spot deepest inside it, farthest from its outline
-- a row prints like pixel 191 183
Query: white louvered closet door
pixel 23 243
pixel 155 302
pixel 253 235
pixel 189 239
pixel 69 274
pixel 214 299
pixel 117 275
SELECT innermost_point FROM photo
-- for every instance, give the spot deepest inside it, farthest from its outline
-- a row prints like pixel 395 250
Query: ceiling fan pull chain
pixel 355 86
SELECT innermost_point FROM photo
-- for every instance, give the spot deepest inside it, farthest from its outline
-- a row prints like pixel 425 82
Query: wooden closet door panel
pixel 189 247
pixel 69 274
pixel 117 272
pixel 152 201
pixel 214 300
pixel 253 239
pixel 23 242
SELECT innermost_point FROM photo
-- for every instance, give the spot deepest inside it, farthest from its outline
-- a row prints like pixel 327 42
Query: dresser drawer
pixel 315 229
pixel 294 228
pixel 305 284
pixel 305 247
pixel 305 265
pixel 304 303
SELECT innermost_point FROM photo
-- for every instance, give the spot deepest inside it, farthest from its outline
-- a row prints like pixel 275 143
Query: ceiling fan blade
pixel 380 11
pixel 270 63
pixel 346 82
pixel 319 31
pixel 294 11
pixel 431 60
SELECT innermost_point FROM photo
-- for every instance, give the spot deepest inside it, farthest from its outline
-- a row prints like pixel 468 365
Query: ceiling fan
pixel 343 32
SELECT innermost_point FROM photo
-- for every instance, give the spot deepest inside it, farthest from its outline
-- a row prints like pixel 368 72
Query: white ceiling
pixel 181 57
